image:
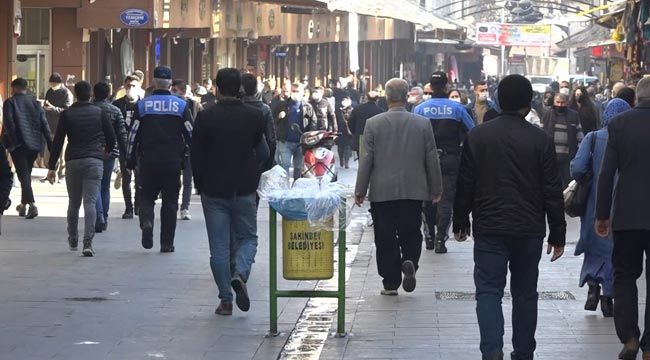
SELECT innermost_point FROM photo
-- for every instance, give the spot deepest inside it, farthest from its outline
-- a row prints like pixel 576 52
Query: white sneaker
pixel 185 215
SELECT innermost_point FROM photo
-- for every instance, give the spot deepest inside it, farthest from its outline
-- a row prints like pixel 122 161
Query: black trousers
pixel 449 164
pixel 564 167
pixel 397 237
pixel 429 209
pixel 627 258
pixel 127 177
pixel 23 160
pixel 154 180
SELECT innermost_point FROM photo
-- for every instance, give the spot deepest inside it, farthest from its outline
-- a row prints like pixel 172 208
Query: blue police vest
pixel 162 105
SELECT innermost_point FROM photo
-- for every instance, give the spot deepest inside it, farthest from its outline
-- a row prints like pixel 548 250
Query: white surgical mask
pixel 296 97
pixel 131 93
pixel 565 91
pixel 316 96
pixel 455 99
pixel 426 97
pixel 412 100
pixel 346 103
pixel 483 96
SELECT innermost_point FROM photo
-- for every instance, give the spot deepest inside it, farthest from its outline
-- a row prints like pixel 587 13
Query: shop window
pixel 35 26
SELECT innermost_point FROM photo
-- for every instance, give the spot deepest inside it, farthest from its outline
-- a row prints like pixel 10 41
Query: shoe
pixel 224 309
pixel 128 214
pixel 167 249
pixel 185 215
pixel 88 249
pixel 241 292
pixel 630 350
pixel 32 212
pixel 22 209
pixel 99 226
pixel 646 355
pixel 105 226
pixel 439 247
pixel 607 306
pixel 147 236
pixel 408 268
pixel 593 296
pixel 136 211
pixel 118 181
pixel 387 292
pixel 430 243
pixel 73 244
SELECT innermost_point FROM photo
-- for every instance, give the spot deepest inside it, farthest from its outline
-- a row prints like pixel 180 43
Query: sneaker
pixel 32 213
pixel 167 249
pixel 386 292
pixel 99 226
pixel 128 214
pixel 242 300
pixel 224 309
pixel 185 215
pixel 73 244
pixel 88 249
pixel 118 181
pixel 440 247
pixel 408 268
pixel 430 244
pixel 22 209
pixel 147 236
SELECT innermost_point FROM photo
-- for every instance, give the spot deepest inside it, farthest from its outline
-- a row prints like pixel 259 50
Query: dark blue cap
pixel 162 72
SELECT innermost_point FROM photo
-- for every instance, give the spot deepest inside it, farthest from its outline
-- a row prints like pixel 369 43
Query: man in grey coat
pixel 401 168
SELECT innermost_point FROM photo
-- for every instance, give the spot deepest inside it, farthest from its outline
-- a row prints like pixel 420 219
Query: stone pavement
pixel 438 320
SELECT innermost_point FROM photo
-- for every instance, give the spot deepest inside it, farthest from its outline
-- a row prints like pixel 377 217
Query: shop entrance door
pixel 34 65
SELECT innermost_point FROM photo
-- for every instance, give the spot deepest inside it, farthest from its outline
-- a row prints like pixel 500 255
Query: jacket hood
pixel 614 108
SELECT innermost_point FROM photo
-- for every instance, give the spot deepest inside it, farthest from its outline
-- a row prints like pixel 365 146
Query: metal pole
pixel 503 47
pixel 273 269
pixel 340 330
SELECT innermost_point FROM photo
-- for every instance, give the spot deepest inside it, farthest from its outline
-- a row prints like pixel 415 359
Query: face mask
pixel 426 97
pixel 296 97
pixel 565 91
pixel 412 100
pixel 346 103
pixel 455 99
pixel 316 96
pixel 561 109
pixel 482 97
pixel 130 93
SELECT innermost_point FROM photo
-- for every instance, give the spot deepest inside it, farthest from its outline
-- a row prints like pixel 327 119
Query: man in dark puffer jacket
pixel 24 128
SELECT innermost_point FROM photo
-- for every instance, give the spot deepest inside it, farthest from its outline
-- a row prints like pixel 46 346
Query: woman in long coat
pixel 597 270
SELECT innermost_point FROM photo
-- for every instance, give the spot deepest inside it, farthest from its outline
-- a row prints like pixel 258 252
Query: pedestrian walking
pixel 325 117
pixel 563 125
pixel 252 97
pixel 290 110
pixel 127 105
pixel 90 137
pixel 101 92
pixel 482 104
pixel 344 141
pixel 57 99
pixel 509 182
pixel 625 173
pixel 180 89
pixel 401 170
pixel 415 98
pixel 628 95
pixel 358 118
pixel 451 122
pixel 208 99
pixel 597 270
pixel 160 134
pixel 24 127
pixel 229 134
pixel 582 104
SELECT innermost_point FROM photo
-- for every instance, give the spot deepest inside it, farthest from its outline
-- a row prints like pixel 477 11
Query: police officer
pixel 451 122
pixel 160 132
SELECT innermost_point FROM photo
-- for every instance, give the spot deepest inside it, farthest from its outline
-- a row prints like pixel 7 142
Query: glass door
pixel 33 64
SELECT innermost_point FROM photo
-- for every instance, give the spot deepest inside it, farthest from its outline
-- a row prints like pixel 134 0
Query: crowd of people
pixel 430 157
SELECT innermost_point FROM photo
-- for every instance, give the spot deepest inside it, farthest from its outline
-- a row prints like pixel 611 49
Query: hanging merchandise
pixel 644 20
pixel 126 55
pixel 630 16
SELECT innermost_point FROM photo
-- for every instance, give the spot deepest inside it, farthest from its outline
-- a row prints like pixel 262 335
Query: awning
pixel 613 17
pixel 593 35
pixel 405 10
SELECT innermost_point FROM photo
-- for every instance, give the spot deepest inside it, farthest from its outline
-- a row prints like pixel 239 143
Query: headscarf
pixel 614 107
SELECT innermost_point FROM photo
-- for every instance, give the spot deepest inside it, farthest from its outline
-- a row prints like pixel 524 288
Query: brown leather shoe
pixel 224 309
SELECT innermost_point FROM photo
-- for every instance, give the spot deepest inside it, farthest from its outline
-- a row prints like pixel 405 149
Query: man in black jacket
pixel 628 201
pixel 102 91
pixel 160 134
pixel 23 130
pixel 253 98
pixel 359 116
pixel 509 182
pixel 127 105
pixel 57 99
pixel 325 118
pixel 90 137
pixel 229 134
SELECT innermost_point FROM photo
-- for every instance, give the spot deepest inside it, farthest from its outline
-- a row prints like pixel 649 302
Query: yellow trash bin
pixel 307 253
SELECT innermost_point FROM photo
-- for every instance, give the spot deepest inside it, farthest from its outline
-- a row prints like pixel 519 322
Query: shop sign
pixel 134 17
pixel 513 34
pixel 310 29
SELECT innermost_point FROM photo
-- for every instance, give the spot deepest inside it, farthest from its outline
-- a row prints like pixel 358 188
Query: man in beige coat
pixel 401 168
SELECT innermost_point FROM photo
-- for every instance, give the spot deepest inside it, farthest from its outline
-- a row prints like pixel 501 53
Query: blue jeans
pixel 232 233
pixel 492 257
pixel 290 153
pixel 104 196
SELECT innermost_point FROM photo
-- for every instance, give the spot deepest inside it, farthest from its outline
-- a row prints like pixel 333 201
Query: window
pixel 35 26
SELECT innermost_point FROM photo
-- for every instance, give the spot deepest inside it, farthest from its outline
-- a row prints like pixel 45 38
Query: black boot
pixel 430 243
pixel 607 306
pixel 440 247
pixel 593 296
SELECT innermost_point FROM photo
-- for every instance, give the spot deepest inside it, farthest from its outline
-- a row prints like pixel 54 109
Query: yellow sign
pixel 307 253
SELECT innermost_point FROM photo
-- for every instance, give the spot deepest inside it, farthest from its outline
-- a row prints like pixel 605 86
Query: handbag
pixel 576 194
